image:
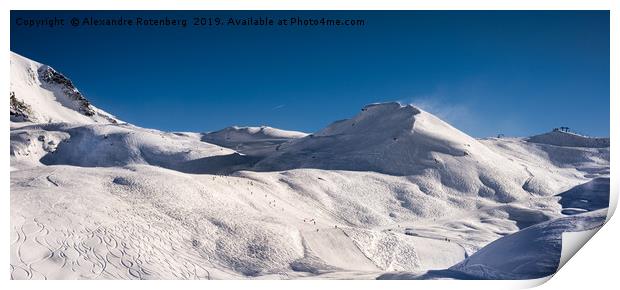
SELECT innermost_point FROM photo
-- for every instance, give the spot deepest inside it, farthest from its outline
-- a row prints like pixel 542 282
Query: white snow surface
pixel 568 139
pixel 257 141
pixel 531 253
pixel 391 190
pixel 236 133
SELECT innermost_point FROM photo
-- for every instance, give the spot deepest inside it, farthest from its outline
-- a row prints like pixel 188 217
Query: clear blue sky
pixel 517 73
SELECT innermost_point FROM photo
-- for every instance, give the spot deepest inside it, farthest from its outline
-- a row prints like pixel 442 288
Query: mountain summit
pixel 40 94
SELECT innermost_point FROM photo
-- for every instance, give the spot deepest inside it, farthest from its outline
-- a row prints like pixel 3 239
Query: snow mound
pixel 40 94
pixel 568 139
pixel 256 141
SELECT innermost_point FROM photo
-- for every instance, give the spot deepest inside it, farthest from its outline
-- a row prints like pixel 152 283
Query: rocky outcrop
pixel 20 111
pixel 51 77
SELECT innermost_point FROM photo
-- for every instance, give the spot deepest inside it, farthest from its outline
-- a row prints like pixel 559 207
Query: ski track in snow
pixel 113 251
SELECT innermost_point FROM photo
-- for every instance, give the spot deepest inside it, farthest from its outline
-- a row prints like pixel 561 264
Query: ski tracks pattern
pixel 117 251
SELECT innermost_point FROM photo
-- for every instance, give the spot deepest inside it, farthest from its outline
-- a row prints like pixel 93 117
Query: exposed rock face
pixel 41 94
pixel 51 77
pixel 20 111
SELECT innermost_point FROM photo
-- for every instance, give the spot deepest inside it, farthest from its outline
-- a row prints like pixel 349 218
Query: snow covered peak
pixel 389 123
pixel 569 139
pixel 381 118
pixel 388 138
pixel 40 94
pixel 390 106
pixel 236 133
pixel 256 141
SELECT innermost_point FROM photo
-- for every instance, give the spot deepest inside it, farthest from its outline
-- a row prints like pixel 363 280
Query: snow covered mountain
pixel 568 139
pixel 403 140
pixel 41 94
pixel 393 192
pixel 257 141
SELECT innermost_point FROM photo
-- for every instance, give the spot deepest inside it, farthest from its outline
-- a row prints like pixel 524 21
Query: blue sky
pixel 517 73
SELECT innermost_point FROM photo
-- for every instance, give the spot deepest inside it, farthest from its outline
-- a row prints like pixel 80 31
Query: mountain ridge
pixel 41 94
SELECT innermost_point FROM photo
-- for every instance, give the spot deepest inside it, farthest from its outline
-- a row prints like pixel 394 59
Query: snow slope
pixel 404 140
pixel 143 221
pixel 393 189
pixel 41 94
pixel 530 253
